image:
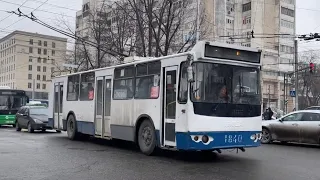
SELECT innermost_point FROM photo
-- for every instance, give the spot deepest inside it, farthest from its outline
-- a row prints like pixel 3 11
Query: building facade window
pixel 288 12
pixel 53 53
pixel 38 77
pixel 29 76
pixel 30 50
pixel 286 49
pixel 38 68
pixel 230 21
pixel 246 7
pixel 44 78
pixel 30 67
pixel 39 60
pixel 45 51
pixel 53 45
pixel 31 42
pixel 29 85
pixel 44 69
pixel 45 43
pixel 287 24
pixel 246 20
pixel 39 43
pixel 38 85
pixel 39 51
pixel 44 86
pixel 30 59
pixel 45 60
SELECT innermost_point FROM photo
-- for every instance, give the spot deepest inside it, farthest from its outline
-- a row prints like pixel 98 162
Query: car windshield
pixel 9 102
pixel 220 83
pixel 39 111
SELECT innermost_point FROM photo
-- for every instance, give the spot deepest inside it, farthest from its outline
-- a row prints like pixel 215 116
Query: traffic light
pixel 311 66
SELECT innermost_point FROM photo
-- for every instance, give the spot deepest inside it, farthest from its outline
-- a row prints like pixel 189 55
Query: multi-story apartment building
pixel 28 60
pixel 235 20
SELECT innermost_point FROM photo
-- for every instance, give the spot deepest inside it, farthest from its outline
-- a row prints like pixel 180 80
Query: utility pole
pixel 284 93
pixel 296 64
pixel 198 21
pixel 33 88
pixel 269 96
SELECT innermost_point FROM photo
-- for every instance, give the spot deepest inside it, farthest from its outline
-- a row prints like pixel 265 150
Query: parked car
pixel 32 118
pixel 299 126
pixel 313 108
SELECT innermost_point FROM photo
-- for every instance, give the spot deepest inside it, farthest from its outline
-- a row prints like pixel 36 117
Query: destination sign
pixel 232 54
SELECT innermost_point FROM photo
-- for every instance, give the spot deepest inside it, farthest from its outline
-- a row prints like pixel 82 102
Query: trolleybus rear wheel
pixel 147 138
pixel 72 128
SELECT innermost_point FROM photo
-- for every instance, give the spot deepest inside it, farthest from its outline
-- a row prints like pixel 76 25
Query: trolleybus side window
pixel 183 84
pixel 87 86
pixel 123 83
pixel 73 88
pixel 147 80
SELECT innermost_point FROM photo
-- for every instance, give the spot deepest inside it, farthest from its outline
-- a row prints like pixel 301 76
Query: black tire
pixel 30 129
pixel 72 130
pixel 147 144
pixel 18 128
pixel 266 136
pixel 58 131
pixel 13 125
pixel 43 130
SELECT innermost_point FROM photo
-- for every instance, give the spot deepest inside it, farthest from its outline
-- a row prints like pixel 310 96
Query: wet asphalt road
pixel 51 156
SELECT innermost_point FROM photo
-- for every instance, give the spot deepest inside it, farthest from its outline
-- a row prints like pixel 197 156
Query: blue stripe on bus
pixel 86 127
pixel 221 140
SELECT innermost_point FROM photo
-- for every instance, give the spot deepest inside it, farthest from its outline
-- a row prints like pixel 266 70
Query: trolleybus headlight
pixel 253 137
pixel 195 138
pixel 205 139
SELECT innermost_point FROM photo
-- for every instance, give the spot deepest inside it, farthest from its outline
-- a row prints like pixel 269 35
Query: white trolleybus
pixel 204 100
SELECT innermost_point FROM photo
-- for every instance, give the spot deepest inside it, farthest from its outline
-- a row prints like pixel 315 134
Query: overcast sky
pixel 308 16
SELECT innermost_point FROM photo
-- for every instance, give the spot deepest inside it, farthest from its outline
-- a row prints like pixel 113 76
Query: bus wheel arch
pixel 145 122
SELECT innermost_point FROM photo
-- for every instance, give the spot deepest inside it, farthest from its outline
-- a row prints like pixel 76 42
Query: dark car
pixel 32 118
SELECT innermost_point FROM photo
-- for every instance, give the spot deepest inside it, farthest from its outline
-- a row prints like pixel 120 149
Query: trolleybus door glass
pixel 99 106
pixel 103 105
pixel 170 96
pixel 58 105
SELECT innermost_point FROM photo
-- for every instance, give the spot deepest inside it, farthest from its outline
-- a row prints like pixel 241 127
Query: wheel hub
pixel 147 136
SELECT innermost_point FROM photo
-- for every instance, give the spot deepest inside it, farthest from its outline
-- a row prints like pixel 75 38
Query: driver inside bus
pixel 223 95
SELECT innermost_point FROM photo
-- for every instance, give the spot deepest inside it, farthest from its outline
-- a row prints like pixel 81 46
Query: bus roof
pixel 126 64
pixel 199 47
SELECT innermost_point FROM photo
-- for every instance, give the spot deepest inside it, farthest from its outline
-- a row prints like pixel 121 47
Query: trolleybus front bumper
pixel 217 140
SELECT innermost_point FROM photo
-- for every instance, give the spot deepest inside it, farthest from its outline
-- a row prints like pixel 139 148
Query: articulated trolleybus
pixel 207 99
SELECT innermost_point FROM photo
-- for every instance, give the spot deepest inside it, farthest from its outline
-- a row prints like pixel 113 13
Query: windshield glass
pixel 221 83
pixel 9 102
pixel 38 111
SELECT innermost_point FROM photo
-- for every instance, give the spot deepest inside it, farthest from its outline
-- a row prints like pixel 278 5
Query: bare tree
pixel 309 83
pixel 147 28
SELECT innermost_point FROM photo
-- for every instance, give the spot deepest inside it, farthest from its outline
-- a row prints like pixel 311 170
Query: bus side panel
pixel 84 114
pixel 122 119
pixel 51 105
pixel 149 108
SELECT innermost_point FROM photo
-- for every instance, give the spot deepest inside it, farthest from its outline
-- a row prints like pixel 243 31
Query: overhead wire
pixel 24 17
pixel 11 14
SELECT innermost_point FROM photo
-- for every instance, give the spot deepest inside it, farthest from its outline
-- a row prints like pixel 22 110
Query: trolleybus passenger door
pixel 58 105
pixel 102 106
pixel 169 106
pixel 99 106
